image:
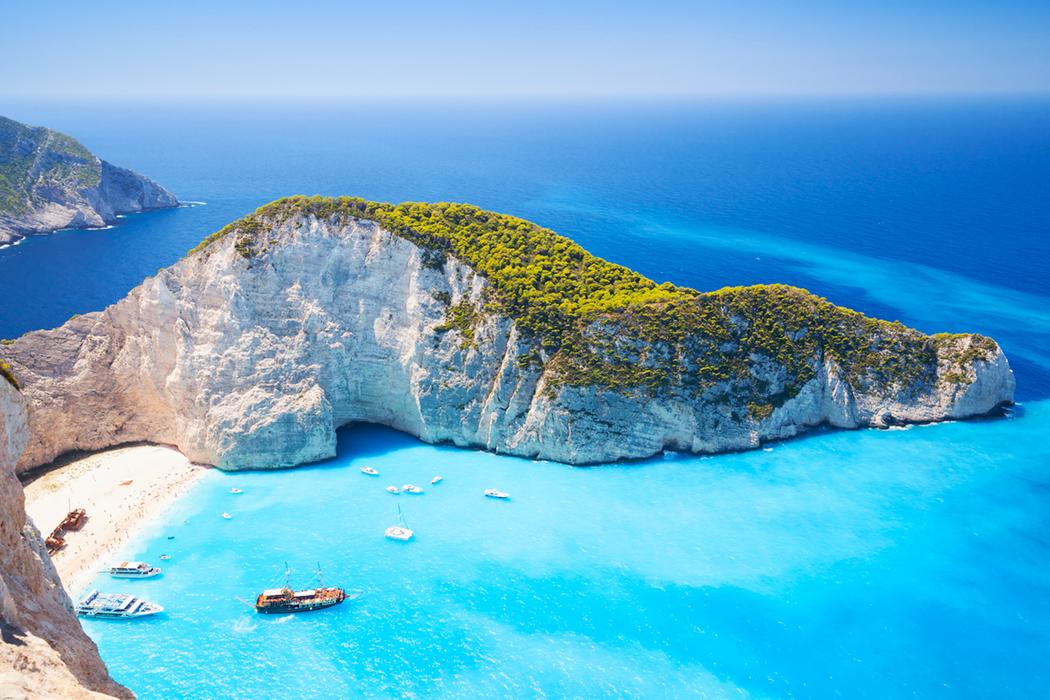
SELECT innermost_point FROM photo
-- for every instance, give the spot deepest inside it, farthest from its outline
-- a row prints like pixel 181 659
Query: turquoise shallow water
pixel 911 563
pixel 846 564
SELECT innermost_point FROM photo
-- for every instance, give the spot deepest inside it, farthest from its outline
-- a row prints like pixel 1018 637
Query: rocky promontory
pixel 49 181
pixel 464 326
pixel 44 652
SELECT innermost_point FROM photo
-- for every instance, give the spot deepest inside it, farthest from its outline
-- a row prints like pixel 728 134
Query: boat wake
pixel 244 626
pixel 190 205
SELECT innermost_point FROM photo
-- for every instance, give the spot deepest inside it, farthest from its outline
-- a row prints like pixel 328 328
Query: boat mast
pixel 320 576
pixel 287 576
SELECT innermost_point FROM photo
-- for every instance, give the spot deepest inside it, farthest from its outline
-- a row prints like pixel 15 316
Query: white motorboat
pixel 393 489
pixel 437 479
pixel 496 493
pixel 411 488
pixel 370 471
pixel 236 490
pixel 115 605
pixel 133 569
pixel 400 531
pixel 227 516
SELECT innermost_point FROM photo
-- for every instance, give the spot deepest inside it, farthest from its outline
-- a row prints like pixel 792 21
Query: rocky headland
pixel 44 652
pixel 49 181
pixel 463 326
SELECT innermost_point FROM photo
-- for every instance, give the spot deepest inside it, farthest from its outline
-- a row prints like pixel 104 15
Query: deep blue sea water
pixel 847 564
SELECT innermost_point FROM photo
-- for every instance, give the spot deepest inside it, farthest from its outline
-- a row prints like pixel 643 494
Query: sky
pixel 561 48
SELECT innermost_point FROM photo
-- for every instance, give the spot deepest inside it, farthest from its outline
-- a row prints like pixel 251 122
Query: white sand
pixel 116 511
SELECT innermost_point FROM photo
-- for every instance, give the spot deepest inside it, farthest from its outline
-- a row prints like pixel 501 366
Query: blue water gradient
pixel 846 564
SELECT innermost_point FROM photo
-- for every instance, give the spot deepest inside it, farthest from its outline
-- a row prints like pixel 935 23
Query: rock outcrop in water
pixel 463 326
pixel 49 181
pixel 43 651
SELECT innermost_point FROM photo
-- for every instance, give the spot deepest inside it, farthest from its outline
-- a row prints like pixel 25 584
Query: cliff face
pixel 49 181
pixel 254 349
pixel 44 652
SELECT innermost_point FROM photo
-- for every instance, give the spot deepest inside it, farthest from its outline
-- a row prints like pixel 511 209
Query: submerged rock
pixel 49 181
pixel 458 325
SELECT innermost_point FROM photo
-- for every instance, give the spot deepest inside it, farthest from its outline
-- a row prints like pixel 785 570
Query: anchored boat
pixel 285 600
pixel 116 605
pixel 370 471
pixel 496 493
pixel 133 569
pixel 400 531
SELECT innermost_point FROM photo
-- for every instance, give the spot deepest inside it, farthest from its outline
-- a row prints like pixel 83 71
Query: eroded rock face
pixel 255 361
pixel 49 181
pixel 44 653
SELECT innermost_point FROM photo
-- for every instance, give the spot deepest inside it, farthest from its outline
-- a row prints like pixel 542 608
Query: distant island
pixel 49 181
pixel 459 325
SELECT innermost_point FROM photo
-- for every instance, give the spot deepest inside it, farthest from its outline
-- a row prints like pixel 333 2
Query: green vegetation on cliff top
pixel 34 155
pixel 5 372
pixel 604 324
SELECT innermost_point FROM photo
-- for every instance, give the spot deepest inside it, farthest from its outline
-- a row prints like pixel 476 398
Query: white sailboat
pixel 400 531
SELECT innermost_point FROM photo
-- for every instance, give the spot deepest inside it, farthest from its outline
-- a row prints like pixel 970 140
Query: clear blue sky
pixel 59 48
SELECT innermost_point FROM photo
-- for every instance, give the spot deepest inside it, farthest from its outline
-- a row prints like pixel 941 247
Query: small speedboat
pixel 236 490
pixel 370 471
pixel 496 493
pixel 411 488
pixel 164 557
pixel 437 479
pixel 133 569
pixel 227 516
pixel 393 489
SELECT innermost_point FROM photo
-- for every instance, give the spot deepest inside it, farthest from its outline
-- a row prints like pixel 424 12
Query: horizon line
pixel 531 95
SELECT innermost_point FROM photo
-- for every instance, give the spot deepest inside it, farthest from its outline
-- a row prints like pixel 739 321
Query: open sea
pixel 845 564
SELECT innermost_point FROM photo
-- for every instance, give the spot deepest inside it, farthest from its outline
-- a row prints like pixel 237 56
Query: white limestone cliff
pixel 254 362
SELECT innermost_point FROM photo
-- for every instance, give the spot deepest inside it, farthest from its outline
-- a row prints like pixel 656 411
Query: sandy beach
pixel 122 490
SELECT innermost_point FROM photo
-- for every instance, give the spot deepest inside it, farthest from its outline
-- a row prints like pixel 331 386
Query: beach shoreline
pixel 123 490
